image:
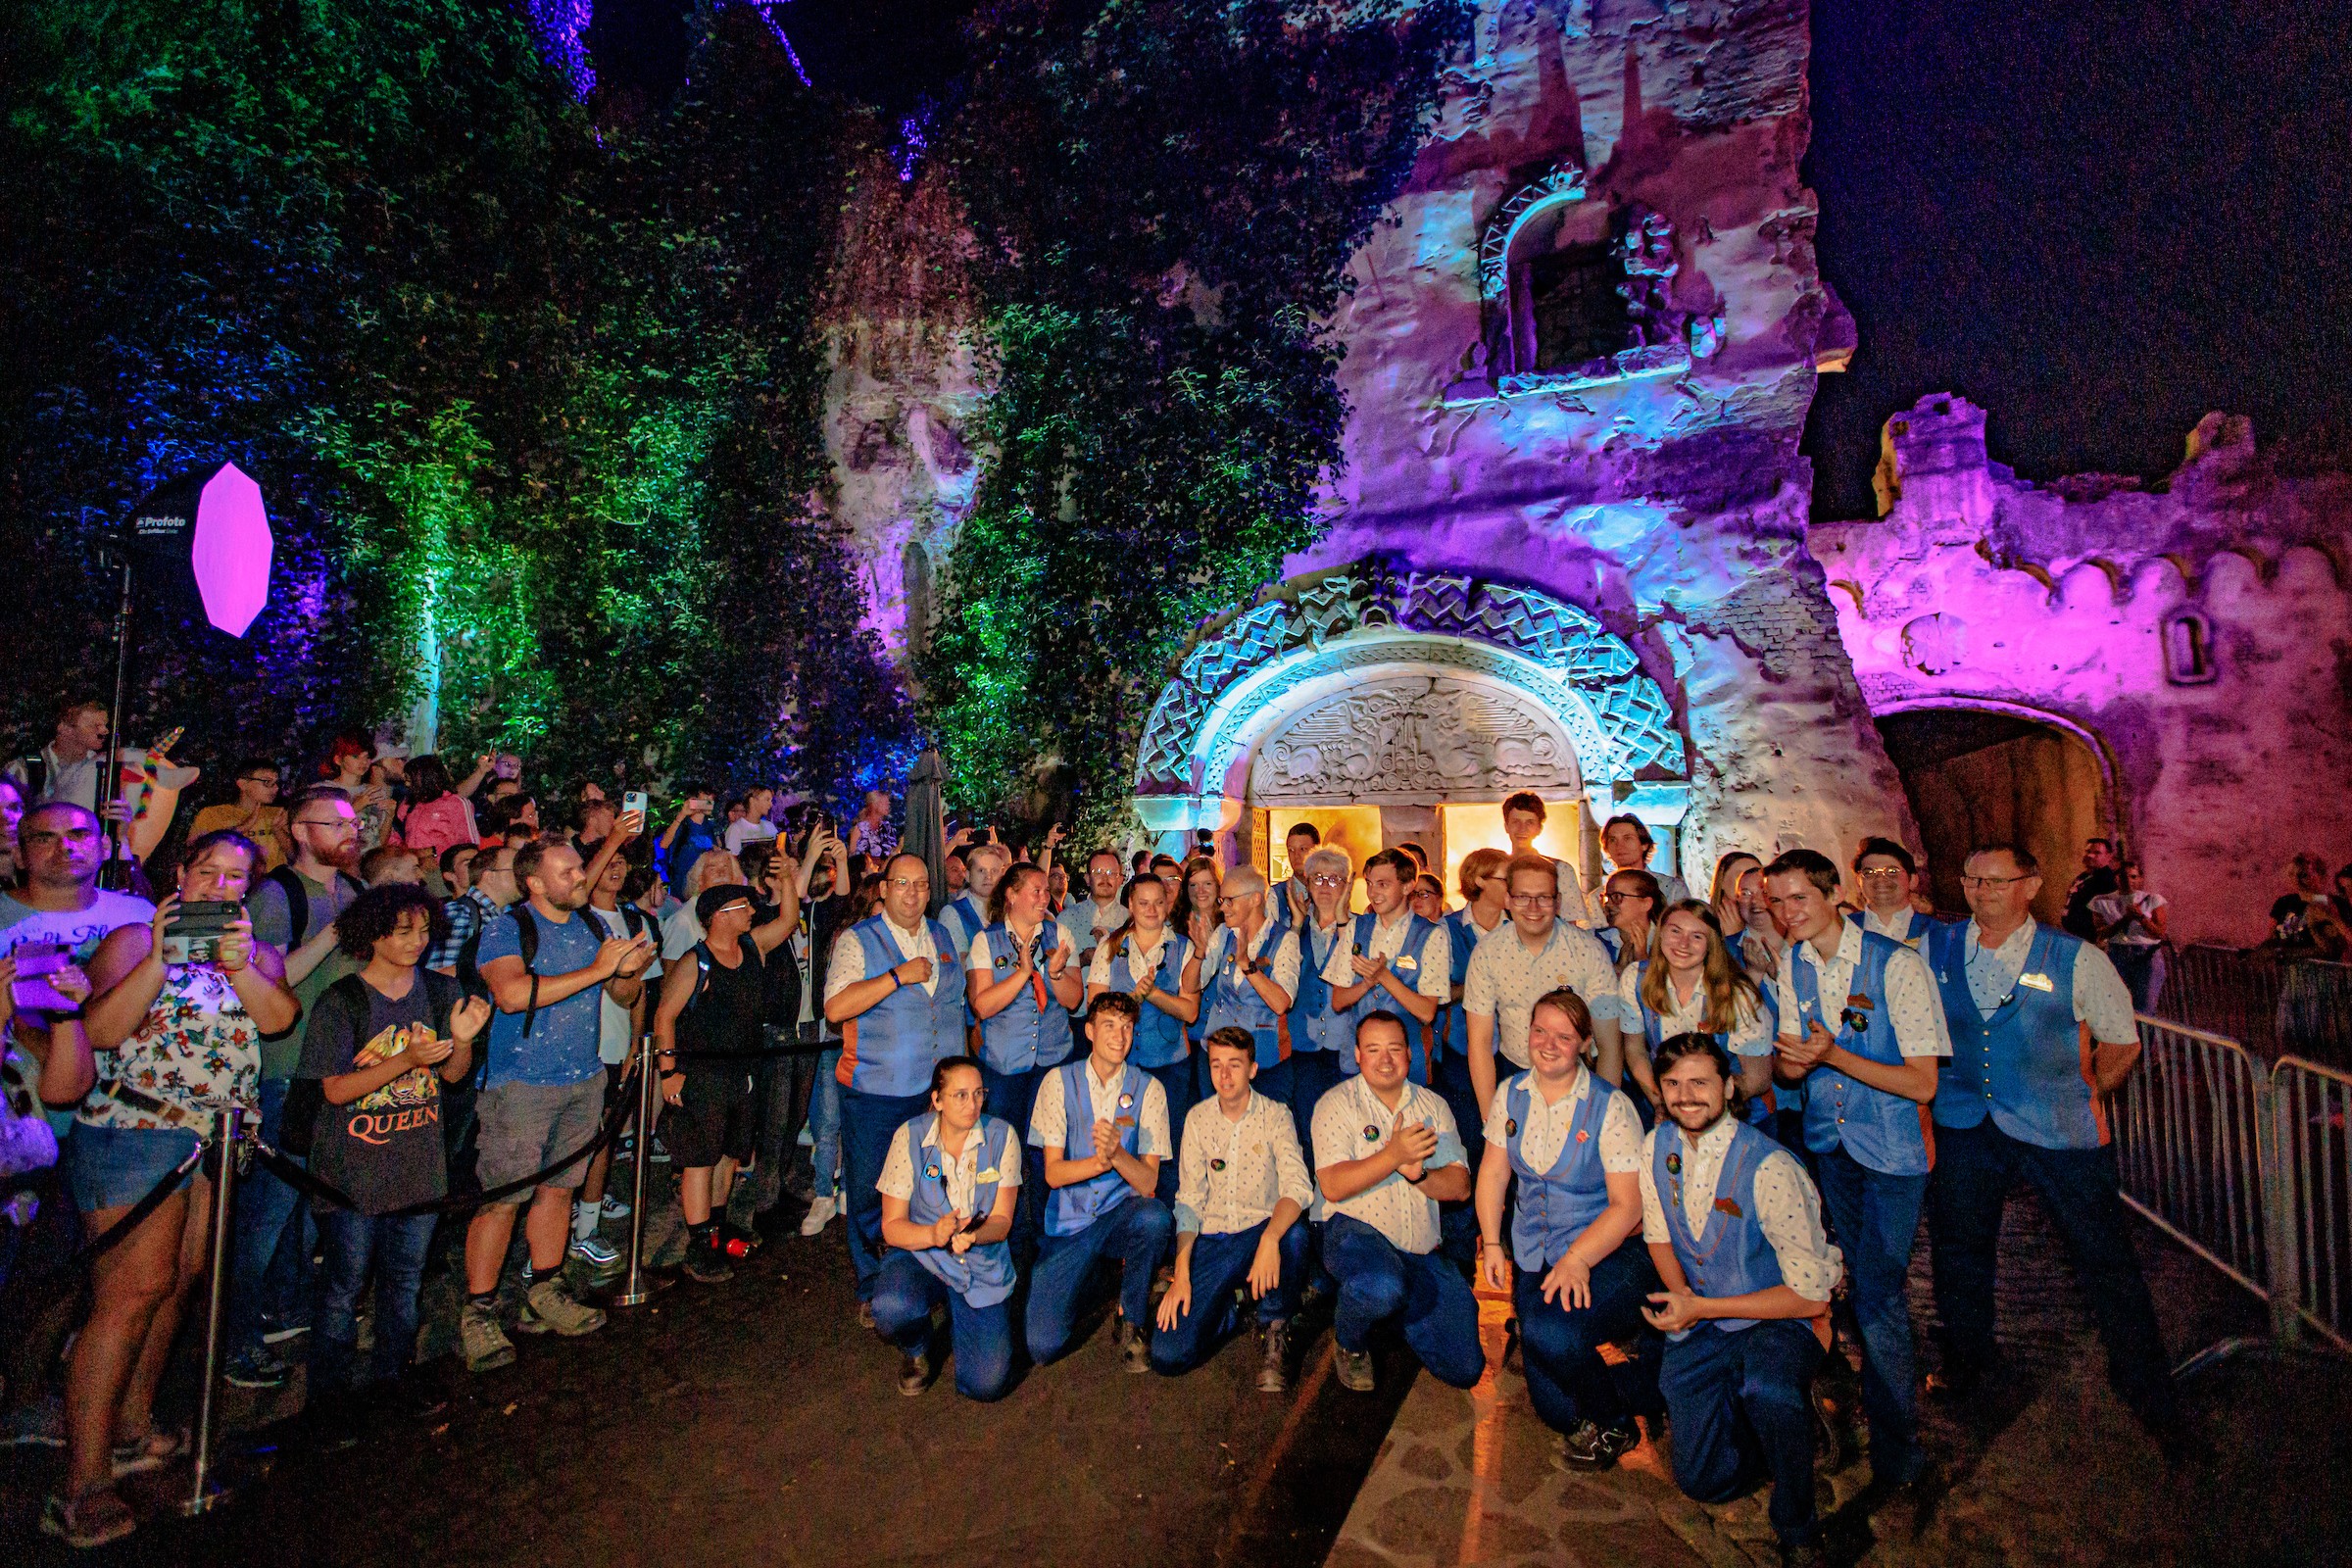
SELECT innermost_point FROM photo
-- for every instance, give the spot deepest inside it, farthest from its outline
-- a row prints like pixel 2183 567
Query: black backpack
pixel 288 881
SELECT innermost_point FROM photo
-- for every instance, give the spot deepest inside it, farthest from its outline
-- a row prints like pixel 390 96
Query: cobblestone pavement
pixel 757 1422
pixel 2053 1471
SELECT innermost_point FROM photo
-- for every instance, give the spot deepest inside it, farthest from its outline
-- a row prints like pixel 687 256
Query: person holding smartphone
pixel 689 835
pixel 173 1041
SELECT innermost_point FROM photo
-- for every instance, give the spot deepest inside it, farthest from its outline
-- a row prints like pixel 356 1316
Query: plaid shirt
pixel 466 915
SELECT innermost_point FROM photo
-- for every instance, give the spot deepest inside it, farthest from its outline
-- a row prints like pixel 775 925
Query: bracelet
pixel 1491 1244
pixel 897 985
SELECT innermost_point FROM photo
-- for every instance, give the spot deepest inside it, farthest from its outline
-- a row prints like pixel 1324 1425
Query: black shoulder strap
pixel 298 904
pixel 37 776
pixel 527 937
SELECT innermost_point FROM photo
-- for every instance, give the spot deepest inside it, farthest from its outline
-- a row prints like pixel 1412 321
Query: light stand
pixel 114 874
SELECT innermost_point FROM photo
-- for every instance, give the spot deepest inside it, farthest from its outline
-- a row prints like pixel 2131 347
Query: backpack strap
pixel 288 881
pixel 527 937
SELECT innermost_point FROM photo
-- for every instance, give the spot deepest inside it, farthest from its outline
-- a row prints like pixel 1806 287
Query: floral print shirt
pixel 198 1050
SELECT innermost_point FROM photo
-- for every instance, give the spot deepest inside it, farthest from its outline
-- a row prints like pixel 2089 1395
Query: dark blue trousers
pixel 1975 1168
pixel 1875 1219
pixel 1567 1381
pixel 395 1245
pixel 1220 1267
pixel 1313 1074
pixel 1421 1292
pixel 1011 1097
pixel 1740 1408
pixel 867 1124
pixel 1175 1082
pixel 981 1337
pixel 1133 1237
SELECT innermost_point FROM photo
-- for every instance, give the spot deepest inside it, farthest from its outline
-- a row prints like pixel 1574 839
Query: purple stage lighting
pixel 210 524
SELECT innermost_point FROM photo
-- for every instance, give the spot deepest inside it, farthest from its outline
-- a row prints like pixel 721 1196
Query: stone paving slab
pixel 2055 1472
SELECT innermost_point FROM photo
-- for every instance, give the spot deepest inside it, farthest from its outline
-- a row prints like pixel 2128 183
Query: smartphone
pixel 196 929
pixel 633 801
pixel 31 991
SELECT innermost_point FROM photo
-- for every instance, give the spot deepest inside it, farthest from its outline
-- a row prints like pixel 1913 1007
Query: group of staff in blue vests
pixel 1345 1084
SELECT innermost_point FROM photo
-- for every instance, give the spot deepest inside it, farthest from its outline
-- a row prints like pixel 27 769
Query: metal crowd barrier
pixel 2247 1165
pixel 2299 1006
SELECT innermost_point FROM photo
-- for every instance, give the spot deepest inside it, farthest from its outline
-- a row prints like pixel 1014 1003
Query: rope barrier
pixel 97 1247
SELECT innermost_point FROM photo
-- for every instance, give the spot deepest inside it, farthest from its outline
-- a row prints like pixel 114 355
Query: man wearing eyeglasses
pixel 1888 875
pixel 1249 978
pixel 895 988
pixel 1540 954
pixel 1862 1029
pixel 2043 1031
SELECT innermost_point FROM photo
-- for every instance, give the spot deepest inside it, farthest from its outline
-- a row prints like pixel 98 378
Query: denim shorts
pixel 114 1167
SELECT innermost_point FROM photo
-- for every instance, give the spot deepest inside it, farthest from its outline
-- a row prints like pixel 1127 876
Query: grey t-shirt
pixel 383 1149
pixel 79 930
pixel 274 923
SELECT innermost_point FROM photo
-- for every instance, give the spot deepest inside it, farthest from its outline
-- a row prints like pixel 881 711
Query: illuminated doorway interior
pixel 1480 826
pixel 1353 828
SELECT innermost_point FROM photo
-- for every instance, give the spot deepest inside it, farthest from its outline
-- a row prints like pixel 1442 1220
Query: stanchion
pixel 635 1289
pixel 205 1495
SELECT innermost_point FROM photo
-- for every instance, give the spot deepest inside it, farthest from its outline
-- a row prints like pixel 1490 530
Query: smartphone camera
pixel 196 930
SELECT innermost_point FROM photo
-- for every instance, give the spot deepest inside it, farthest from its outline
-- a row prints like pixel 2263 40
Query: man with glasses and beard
pixel 294 909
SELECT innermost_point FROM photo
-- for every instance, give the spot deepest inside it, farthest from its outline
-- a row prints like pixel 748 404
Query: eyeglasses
pixel 1991 881
pixel 271 779
pixel 1234 898
pixel 904 883
pixel 1534 899
pixel 336 822
pixel 1328 881
pixel 1620 898
pixel 1886 874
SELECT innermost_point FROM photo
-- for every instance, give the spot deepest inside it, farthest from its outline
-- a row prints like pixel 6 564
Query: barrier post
pixel 634 1291
pixel 2279 1226
pixel 205 1495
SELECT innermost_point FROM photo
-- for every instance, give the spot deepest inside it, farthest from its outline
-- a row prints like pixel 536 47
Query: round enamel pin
pixel 931 1172
pixel 1674 1164
pixel 1371 1133
pixel 1126 1101
pixel 1511 1127
pixel 1217 1164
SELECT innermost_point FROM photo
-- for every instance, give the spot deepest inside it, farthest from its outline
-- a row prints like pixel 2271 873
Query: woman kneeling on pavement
pixel 949 1187
pixel 175 1042
pixel 1574 1263
pixel 380 1045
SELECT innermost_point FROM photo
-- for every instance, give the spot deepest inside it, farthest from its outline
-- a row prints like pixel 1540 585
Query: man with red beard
pixel 294 909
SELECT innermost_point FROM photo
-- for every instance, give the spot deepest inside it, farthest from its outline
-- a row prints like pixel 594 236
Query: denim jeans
pixel 275 1240
pixel 1975 1168
pixel 1220 1266
pixel 1739 1406
pixel 396 1244
pixel 1132 1238
pixel 869 1122
pixel 979 1337
pixel 1567 1381
pixel 1420 1291
pixel 1875 1219
pixel 824 1122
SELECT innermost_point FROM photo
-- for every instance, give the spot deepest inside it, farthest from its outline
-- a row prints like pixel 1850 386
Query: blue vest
pixel 1915 930
pixel 1073 1208
pixel 1556 1206
pixel 1730 1257
pixel 1228 998
pixel 1032 1030
pixel 1158 1036
pixel 1881 1131
pixel 1320 1029
pixel 890 1048
pixel 2028 1064
pixel 1462 937
pixel 982 1276
pixel 966 918
pixel 1420 1039
pixel 1785 1096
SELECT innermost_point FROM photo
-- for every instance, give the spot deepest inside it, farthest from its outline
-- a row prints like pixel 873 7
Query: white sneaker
pixel 819 1212
pixel 615 1208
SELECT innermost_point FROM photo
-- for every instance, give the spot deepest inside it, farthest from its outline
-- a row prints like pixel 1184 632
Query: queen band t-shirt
pixel 384 1148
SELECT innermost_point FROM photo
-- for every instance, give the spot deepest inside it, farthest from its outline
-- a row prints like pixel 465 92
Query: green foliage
pixel 1168 195
pixel 535 413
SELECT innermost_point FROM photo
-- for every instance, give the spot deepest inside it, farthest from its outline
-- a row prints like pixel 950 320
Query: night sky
pixel 2098 221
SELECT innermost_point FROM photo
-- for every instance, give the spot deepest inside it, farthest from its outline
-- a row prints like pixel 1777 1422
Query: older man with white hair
pixel 1249 977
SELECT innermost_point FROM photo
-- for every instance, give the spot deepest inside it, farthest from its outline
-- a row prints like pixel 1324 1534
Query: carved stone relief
pixel 1413 738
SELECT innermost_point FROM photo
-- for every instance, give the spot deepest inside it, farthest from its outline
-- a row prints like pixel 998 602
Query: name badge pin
pixel 2039 982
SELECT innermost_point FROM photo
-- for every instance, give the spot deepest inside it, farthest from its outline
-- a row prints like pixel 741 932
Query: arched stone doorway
pixel 1402 698
pixel 1977 773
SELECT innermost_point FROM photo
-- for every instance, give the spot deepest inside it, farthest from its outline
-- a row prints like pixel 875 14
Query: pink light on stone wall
pixel 232 550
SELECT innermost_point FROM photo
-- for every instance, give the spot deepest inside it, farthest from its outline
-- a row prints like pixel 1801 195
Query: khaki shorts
pixel 528 1127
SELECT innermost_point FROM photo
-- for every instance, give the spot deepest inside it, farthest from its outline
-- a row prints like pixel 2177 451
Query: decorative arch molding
pixel 1319 633
pixel 2074 729
pixel 1564 184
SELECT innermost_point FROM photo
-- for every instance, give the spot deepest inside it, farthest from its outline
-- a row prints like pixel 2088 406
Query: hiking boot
pixel 1354 1368
pixel 1274 1368
pixel 706 1264
pixel 1135 1348
pixel 480 1339
pixel 1593 1446
pixel 915 1375
pixel 550 1308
